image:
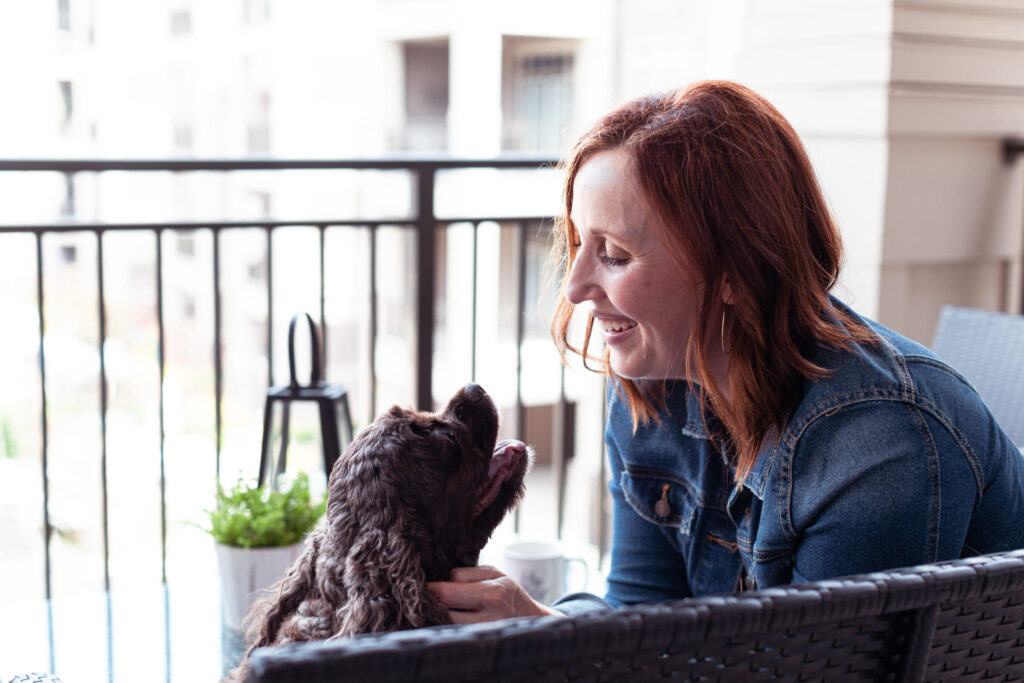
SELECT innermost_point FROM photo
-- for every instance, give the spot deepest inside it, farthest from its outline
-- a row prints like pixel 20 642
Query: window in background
pixel 426 95
pixel 68 254
pixel 259 124
pixel 185 242
pixel 181 22
pixel 261 203
pixel 256 11
pixel 67 106
pixel 64 15
pixel 537 93
pixel 67 207
pixel 183 136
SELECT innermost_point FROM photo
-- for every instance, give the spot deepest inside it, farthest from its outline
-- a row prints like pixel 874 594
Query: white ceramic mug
pixel 541 568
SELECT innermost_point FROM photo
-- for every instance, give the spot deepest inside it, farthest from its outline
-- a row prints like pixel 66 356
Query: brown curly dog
pixel 413 496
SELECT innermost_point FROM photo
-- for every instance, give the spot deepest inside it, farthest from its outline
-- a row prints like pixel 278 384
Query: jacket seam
pixel 819 411
pixel 906 380
pixel 832 404
pixel 965 446
pixel 934 482
pixel 762 556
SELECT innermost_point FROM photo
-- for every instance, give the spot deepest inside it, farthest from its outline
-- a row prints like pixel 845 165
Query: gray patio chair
pixel 988 350
pixel 952 621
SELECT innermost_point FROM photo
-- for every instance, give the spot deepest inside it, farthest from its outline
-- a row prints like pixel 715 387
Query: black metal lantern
pixel 331 400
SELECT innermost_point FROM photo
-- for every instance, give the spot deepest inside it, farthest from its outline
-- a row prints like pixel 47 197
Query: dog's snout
pixel 473 392
pixel 473 408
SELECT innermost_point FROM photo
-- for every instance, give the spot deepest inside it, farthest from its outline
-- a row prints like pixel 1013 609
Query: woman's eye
pixel 613 256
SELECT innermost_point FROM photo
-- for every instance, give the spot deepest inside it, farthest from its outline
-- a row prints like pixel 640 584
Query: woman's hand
pixel 474 594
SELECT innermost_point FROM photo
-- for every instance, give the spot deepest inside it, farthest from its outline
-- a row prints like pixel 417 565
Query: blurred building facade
pixel 902 103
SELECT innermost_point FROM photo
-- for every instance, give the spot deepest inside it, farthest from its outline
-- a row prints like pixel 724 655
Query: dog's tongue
pixel 506 453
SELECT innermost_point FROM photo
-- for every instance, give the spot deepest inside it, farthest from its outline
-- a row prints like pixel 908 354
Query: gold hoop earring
pixel 722 334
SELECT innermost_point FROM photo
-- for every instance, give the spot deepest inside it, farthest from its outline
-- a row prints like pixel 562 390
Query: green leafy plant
pixel 8 443
pixel 249 516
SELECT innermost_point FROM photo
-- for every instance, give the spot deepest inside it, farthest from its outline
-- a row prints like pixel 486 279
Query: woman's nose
pixel 580 285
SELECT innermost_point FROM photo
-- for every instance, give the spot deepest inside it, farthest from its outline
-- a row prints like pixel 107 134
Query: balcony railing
pixel 420 236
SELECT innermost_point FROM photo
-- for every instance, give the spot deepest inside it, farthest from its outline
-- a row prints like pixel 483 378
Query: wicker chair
pixel 952 621
pixel 988 349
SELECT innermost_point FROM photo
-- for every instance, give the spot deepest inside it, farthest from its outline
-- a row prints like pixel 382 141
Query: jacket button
pixel 662 507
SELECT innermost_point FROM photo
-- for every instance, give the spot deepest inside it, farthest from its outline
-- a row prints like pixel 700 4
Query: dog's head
pixel 438 479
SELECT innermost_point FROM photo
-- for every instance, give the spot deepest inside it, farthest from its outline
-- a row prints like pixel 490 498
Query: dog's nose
pixel 473 392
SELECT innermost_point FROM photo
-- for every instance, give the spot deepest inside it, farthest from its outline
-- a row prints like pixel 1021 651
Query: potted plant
pixel 259 533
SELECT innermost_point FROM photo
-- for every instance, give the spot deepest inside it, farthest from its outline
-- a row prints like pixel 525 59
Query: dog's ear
pixel 374 537
pixel 386 584
pixel 283 598
pixel 263 624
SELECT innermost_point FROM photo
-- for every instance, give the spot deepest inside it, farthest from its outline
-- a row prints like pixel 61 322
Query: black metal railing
pixel 423 222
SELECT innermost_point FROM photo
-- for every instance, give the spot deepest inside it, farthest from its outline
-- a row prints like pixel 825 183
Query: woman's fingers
pixel 485 591
pixel 471 574
pixel 476 594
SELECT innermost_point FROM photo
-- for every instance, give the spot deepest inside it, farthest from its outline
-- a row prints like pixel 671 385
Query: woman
pixel 759 431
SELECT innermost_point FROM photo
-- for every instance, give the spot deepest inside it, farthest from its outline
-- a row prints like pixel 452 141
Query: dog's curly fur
pixel 404 508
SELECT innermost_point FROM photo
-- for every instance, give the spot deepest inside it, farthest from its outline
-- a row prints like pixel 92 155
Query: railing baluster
pixel 373 323
pixel 323 315
pixel 49 636
pixel 602 518
pixel 162 362
pixel 167 634
pixel 520 310
pixel 110 637
pixel 426 269
pixel 563 434
pixel 472 313
pixel 217 365
pixel 103 407
pixel 270 306
pixel 101 296
pixel 47 529
pixel 560 438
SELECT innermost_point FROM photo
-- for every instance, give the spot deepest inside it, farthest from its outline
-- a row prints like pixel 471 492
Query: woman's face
pixel 641 300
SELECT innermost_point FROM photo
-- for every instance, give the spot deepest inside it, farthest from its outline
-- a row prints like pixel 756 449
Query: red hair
pixel 738 199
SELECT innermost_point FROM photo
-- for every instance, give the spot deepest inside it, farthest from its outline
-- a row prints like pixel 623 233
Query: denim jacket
pixel 892 460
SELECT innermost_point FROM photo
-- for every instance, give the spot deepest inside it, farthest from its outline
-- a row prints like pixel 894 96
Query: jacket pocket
pixel 660 498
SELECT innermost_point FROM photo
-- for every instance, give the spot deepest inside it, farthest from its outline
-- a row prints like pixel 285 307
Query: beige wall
pixel 953 219
pixel 903 106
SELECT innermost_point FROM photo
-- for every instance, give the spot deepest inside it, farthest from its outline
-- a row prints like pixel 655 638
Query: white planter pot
pixel 245 572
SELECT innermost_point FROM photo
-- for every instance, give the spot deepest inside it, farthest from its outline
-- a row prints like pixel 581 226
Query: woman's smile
pixel 614 330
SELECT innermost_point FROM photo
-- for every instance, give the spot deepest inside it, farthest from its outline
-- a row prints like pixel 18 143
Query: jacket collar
pixel 694 427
